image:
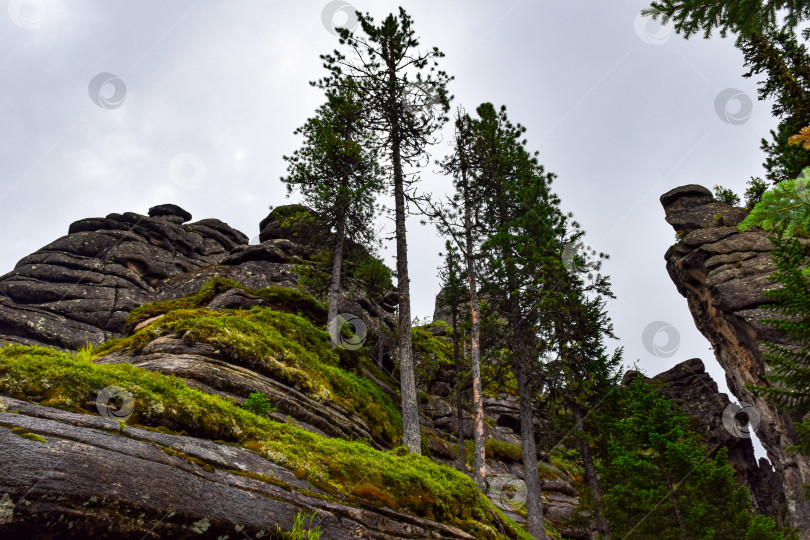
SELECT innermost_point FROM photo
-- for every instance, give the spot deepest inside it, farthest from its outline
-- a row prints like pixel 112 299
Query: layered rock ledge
pixel 82 479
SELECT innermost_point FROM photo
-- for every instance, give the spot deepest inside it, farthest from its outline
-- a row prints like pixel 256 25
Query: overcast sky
pixel 202 99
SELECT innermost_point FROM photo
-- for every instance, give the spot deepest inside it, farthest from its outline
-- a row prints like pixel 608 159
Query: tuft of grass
pixel 411 483
pixel 88 352
pixel 300 530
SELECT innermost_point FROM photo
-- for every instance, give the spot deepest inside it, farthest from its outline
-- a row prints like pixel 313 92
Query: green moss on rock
pixel 411 483
pixel 279 298
pixel 32 437
pixel 284 346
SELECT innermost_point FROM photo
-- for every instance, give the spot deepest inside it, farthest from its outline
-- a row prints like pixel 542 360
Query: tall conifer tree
pixel 522 218
pixel 406 96
pixel 337 172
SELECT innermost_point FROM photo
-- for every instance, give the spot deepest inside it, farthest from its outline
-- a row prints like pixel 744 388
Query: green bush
pixel 726 195
pixel 258 404
pixel 375 277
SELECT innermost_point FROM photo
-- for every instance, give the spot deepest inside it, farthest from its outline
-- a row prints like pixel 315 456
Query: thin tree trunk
pixel 340 240
pixel 410 411
pixel 479 462
pixel 478 392
pixel 524 352
pixel 591 478
pixel 337 270
pixel 534 501
pixel 411 436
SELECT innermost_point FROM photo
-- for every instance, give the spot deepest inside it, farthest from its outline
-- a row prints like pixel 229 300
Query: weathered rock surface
pixel 208 370
pixel 82 286
pixel 723 273
pixel 560 497
pixel 88 481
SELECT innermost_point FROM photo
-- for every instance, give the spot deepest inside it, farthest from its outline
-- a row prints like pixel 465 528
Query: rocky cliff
pixel 723 273
pixel 214 320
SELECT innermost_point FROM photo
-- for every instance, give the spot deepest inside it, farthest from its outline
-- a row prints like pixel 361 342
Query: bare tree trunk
pixel 524 352
pixel 591 478
pixel 479 462
pixel 475 356
pixel 337 270
pixel 340 240
pixel 410 411
pixel 534 502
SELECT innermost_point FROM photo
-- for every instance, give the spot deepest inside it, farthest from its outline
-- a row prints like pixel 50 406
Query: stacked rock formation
pixel 723 274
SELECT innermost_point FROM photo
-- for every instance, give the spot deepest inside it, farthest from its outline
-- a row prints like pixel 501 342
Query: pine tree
pixel 454 293
pixel 663 483
pixel 466 201
pixel 522 219
pixel 786 66
pixel 784 212
pixel 406 96
pixel 753 193
pixel 790 364
pixel 338 176
pixel 583 377
pixel 740 17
